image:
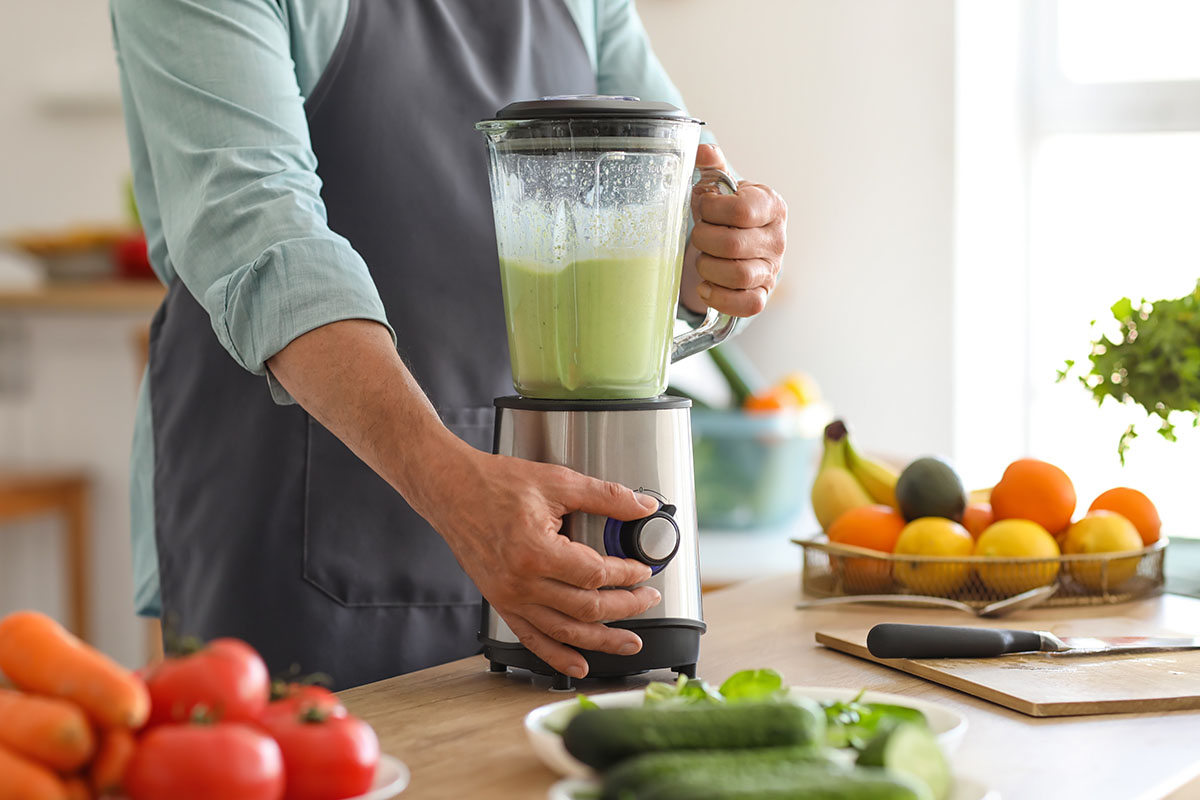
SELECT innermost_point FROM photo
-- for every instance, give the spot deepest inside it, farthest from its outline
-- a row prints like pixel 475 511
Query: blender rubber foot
pixel 496 666
pixel 688 670
pixel 561 683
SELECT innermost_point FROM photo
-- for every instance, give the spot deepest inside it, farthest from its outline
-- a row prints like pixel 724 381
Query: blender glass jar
pixel 589 196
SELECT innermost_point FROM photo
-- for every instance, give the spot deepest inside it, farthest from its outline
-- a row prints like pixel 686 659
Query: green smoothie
pixel 592 329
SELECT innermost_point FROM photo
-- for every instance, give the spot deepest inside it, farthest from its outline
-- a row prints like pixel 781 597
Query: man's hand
pixel 736 250
pixel 501 516
pixel 503 525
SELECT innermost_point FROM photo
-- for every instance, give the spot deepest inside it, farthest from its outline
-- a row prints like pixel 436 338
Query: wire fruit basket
pixel 832 570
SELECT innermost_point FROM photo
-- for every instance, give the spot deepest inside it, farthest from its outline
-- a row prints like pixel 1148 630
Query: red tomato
pixel 228 760
pixel 290 700
pixel 324 757
pixel 227 678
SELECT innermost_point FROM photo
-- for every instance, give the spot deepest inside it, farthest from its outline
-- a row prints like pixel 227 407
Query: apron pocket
pixel 363 544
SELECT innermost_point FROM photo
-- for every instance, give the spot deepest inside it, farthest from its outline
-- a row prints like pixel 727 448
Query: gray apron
pixel 268 527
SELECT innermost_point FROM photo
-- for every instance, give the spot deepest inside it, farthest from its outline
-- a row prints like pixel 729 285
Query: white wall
pixel 74 412
pixel 63 160
pixel 847 108
pixel 63 156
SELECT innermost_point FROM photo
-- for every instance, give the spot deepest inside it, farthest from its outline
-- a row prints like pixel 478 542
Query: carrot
pixel 39 655
pixel 21 779
pixel 112 758
pixel 50 731
pixel 77 788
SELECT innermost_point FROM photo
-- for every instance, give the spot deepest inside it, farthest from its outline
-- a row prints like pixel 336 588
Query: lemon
pixel 803 387
pixel 933 536
pixel 1016 538
pixel 1102 532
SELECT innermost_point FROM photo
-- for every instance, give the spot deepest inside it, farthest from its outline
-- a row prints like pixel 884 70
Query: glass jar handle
pixel 717 326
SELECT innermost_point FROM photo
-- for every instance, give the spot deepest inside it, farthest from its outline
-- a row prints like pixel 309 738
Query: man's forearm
pixel 349 376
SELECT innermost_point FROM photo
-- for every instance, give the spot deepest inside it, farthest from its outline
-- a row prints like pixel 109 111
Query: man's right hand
pixel 502 518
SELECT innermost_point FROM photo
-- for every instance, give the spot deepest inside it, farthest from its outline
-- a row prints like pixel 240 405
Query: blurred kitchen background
pixel 970 184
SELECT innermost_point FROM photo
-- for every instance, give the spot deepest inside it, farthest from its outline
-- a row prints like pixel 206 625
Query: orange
pixel 977 518
pixel 1036 491
pixel 872 527
pixel 1133 506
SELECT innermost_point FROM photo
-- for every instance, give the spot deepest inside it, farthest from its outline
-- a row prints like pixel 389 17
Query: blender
pixel 590 201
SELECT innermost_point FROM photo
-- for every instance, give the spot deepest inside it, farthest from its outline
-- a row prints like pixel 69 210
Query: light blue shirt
pixel 226 184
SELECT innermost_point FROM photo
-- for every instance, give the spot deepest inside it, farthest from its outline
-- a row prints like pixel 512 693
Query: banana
pixel 877 479
pixel 835 489
pixel 980 495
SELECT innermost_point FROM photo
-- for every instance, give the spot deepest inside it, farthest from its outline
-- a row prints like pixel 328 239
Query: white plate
pixel 948 725
pixel 965 788
pixel 391 778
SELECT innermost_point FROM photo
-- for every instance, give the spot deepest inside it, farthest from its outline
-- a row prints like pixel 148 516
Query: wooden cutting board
pixel 1042 685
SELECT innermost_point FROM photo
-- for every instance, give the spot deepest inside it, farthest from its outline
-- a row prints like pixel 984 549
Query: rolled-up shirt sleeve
pixel 625 61
pixel 213 88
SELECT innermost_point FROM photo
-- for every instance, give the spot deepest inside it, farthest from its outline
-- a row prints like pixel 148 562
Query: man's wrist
pixel 426 463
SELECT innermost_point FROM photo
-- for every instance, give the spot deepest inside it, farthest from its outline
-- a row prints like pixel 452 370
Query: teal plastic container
pixel 754 470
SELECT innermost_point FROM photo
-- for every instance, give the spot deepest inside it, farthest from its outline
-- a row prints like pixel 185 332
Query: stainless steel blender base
pixel 643 444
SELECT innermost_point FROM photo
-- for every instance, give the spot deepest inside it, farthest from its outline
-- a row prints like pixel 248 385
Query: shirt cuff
pixel 294 287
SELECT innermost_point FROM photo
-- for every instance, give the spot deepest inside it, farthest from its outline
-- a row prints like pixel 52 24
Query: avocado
pixel 929 487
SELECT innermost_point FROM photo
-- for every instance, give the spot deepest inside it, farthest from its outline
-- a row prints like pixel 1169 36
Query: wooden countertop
pixel 86 296
pixel 459 728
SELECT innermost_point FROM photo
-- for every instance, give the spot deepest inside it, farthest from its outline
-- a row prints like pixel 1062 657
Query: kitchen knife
pixel 897 640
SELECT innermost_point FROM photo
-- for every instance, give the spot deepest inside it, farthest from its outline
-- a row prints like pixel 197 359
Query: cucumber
pixel 910 749
pixel 633 777
pixel 741 775
pixel 603 736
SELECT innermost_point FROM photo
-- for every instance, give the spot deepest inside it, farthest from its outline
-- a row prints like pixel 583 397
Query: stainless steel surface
pixel 1000 608
pixel 1093 646
pixel 657 538
pixel 717 326
pixel 644 449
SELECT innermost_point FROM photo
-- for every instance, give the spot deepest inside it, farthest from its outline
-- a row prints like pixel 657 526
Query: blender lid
pixel 570 106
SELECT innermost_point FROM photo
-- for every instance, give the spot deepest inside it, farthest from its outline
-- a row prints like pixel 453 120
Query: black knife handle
pixel 896 640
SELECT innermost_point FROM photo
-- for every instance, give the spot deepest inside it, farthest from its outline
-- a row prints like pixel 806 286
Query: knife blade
pixel 900 640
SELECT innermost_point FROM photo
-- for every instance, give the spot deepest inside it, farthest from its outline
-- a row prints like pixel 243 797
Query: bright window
pixel 1113 41
pixel 1112 215
pixel 1114 200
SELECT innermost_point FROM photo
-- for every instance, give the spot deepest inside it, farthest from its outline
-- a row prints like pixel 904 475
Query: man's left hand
pixel 736 250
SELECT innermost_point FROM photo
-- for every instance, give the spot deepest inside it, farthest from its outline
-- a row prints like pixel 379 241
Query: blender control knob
pixel 653 540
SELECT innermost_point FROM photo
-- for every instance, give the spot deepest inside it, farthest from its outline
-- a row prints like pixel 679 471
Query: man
pixel 315 195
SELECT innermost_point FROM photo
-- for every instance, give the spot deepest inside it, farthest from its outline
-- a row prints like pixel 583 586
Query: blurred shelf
pixel 111 296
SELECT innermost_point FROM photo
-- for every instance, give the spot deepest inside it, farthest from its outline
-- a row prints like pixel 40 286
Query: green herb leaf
pixel 752 684
pixel 683 692
pixel 854 724
pixel 657 692
pixel 1153 361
